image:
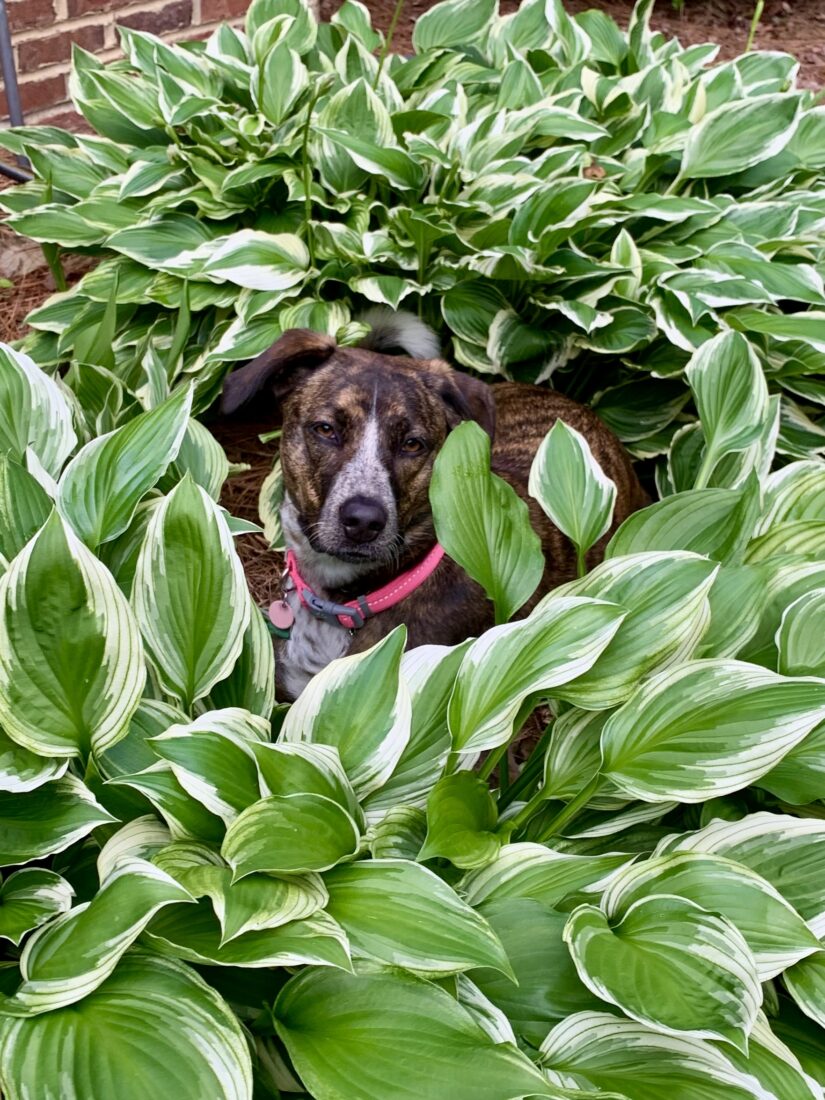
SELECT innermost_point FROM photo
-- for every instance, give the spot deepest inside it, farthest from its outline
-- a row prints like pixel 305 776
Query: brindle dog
pixel 361 430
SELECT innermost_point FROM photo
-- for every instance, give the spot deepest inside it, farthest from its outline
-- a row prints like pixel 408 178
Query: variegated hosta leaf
pixel 536 872
pixel 548 986
pixel 30 897
pixel 455 23
pixel 103 484
pixel 211 763
pixel 559 641
pixel 290 834
pixel 24 507
pixel 257 902
pixel 22 770
pixel 801 636
pixel 775 933
pixel 739 134
pixel 429 672
pixel 133 753
pixel 185 816
pixel 642 962
pixel 794 494
pixel 737 603
pixel 605 1051
pixel 306 768
pixel 72 955
pixel 774 1068
pixel 151 1024
pixel 283 78
pixel 33 413
pixel 257 260
pixel 251 683
pixel 806 984
pixel 398 835
pixel 400 913
pixel 141 838
pixel 789 852
pixel 731 395
pixel 334 1024
pixel 574 757
pixel 71 659
pixel 361 706
pixel 805 538
pixel 707 728
pixel 666 597
pixel 201 456
pixel 49 819
pixel 571 487
pixel 785 580
pixel 482 523
pixel 462 822
pixel 190 594
pixel 313 941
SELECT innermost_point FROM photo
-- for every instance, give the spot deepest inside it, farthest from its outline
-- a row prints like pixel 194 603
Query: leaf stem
pixel 307 174
pixel 581 567
pixel 396 15
pixel 571 810
pixel 758 8
pixel 493 758
pixel 519 820
pixel 705 470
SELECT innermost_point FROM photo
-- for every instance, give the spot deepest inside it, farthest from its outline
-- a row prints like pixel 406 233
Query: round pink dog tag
pixel 281 614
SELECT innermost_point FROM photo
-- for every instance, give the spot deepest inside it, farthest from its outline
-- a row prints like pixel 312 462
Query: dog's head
pixel 361 431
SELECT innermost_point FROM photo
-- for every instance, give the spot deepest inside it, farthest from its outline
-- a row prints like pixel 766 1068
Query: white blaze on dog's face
pixel 360 434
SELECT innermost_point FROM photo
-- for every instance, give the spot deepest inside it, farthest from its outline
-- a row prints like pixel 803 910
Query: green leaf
pixel 71 661
pixel 461 822
pixel 361 707
pixel 572 488
pixel 731 395
pixel 47 820
pixel 290 834
pixel 739 134
pixel 641 963
pixel 559 641
pixel 190 594
pixel 24 507
pixel 33 413
pixel 334 1024
pixel 76 952
pixel 775 933
pixel 482 523
pixel 258 260
pixel 801 639
pixel 388 162
pixel 186 817
pixel 707 728
pixel 399 913
pixel 547 987
pixel 452 23
pixel 22 770
pixel 604 1051
pixel 666 596
pixel 251 683
pixel 806 984
pixel 283 79
pixel 29 898
pixel 153 1025
pixel 102 486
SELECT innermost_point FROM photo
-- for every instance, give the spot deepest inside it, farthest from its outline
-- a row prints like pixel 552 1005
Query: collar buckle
pixel 330 612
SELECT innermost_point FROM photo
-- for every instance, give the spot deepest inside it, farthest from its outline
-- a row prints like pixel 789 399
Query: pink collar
pixel 353 614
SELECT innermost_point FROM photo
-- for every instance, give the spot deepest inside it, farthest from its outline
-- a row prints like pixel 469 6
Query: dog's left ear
pixel 468 398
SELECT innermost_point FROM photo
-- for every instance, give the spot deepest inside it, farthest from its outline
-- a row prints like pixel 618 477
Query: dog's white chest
pixel 311 645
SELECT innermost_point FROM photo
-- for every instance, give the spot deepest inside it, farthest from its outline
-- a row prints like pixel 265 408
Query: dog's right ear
pixel 277 369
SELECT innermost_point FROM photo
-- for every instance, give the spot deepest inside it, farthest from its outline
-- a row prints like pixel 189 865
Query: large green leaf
pixel 71 956
pixel 103 484
pixel 411 1037
pixel 22 770
pixel 152 1027
pixel 24 507
pixel 739 134
pixel 482 523
pixel 71 660
pixel 642 962
pixel 806 984
pixel 452 23
pixel 360 706
pixel 572 488
pixel 33 412
pixel 402 914
pixel 29 898
pixel 190 594
pixel 560 641
pixel 707 728
pixel 47 820
pixel 461 822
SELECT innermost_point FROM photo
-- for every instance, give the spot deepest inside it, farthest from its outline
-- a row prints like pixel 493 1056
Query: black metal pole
pixel 9 73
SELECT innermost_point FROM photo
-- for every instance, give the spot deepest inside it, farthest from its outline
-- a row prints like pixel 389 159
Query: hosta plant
pixel 559 197
pixel 357 897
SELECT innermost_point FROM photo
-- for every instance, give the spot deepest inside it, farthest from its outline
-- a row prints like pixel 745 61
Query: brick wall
pixel 43 32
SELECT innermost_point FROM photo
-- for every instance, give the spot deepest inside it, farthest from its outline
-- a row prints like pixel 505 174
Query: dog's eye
pixel 413 446
pixel 325 431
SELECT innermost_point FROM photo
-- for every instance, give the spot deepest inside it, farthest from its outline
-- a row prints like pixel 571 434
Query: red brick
pixel 172 17
pixel 220 11
pixel 66 119
pixel 53 48
pixel 29 13
pixel 83 7
pixel 36 94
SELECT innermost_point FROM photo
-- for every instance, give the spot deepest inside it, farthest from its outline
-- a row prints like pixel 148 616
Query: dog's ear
pixel 468 398
pixel 278 368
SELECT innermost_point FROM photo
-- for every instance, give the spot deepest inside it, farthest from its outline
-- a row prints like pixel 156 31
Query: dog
pixel 361 429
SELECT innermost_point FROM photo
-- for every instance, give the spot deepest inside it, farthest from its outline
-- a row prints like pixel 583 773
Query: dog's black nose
pixel 363 518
